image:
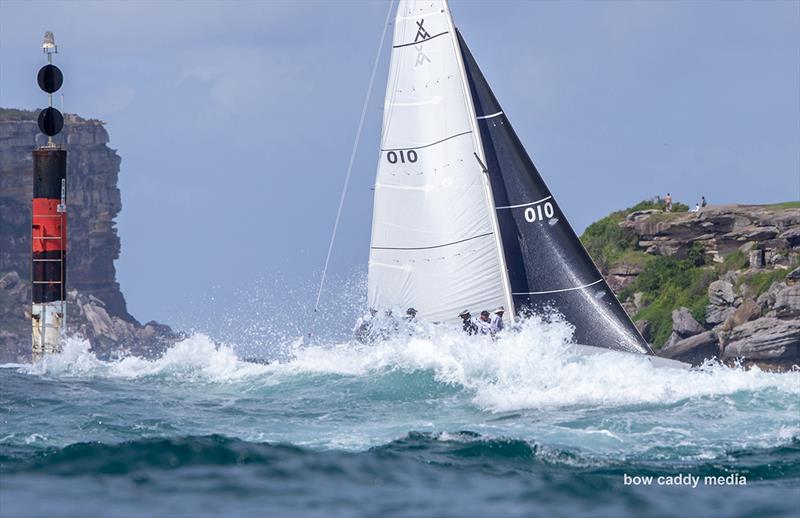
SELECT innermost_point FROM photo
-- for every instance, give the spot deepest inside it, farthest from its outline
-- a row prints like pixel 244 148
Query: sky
pixel 235 120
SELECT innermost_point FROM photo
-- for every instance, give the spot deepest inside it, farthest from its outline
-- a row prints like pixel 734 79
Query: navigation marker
pixel 49 220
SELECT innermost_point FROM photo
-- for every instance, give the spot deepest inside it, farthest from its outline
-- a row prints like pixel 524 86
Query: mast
pixel 480 157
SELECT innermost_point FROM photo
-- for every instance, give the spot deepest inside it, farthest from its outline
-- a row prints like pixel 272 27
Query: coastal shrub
pixel 654 203
pixel 605 240
pixel 633 257
pixel 759 282
pixel 668 283
pixel 735 261
pixel 697 255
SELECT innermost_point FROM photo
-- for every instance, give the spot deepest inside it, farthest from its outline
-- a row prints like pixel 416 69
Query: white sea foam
pixel 535 368
pixel 196 358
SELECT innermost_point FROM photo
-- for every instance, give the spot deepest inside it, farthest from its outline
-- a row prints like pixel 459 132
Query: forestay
pixel 434 244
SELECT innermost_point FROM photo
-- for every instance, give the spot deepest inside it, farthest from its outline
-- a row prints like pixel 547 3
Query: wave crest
pixel 533 368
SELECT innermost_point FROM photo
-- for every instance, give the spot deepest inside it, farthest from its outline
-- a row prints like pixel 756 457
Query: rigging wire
pixel 353 156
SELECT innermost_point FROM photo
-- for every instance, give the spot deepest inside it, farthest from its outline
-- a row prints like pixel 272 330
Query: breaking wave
pixel 534 368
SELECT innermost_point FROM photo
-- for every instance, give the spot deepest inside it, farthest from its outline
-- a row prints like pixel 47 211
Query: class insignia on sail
pixel 462 217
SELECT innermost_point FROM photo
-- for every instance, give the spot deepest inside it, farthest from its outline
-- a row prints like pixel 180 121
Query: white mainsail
pixel 435 242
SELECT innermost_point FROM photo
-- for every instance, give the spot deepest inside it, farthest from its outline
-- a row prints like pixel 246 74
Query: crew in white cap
pixel 497 320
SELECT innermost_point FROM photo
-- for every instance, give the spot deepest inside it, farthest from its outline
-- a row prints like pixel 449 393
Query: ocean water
pixel 429 424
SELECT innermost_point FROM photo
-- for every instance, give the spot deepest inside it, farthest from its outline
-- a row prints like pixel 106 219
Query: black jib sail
pixel 547 265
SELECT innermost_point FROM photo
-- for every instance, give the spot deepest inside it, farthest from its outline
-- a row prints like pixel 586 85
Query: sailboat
pixel 462 218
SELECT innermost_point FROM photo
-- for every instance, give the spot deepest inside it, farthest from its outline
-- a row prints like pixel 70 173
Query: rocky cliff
pixel 721 283
pixel 98 310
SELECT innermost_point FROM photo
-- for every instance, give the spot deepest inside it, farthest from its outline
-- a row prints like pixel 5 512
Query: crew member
pixel 363 326
pixel 410 321
pixel 485 323
pixel 497 320
pixel 388 326
pixel 469 325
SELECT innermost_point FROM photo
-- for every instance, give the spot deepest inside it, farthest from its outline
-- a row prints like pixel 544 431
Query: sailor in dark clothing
pixel 410 321
pixel 363 328
pixel 469 325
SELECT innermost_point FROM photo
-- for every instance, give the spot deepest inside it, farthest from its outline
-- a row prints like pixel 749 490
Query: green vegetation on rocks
pixel 608 243
pixel 666 284
pixel 757 283
pixel 735 261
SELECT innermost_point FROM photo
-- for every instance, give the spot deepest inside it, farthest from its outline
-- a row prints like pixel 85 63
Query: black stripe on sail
pixel 420 42
pixel 427 145
pixel 547 265
pixel 431 247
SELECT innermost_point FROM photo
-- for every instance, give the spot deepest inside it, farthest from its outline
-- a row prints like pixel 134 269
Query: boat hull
pixel 655 361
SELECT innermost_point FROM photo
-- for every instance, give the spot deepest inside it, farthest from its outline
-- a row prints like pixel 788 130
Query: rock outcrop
pixel 683 326
pixel 622 274
pixel 721 230
pixel 694 349
pixel 765 340
pixel 753 311
pixel 93 201
pixel 722 302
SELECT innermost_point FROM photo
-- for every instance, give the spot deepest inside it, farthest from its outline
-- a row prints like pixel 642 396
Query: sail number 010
pixel 539 212
pixel 403 156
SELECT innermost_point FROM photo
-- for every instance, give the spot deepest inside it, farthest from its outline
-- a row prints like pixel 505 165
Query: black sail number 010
pixel 539 212
pixel 403 156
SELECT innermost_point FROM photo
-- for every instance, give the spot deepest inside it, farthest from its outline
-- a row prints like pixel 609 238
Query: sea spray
pixel 532 367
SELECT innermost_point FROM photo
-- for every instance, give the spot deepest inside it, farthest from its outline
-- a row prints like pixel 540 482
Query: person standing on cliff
pixel 668 202
pixel 703 201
